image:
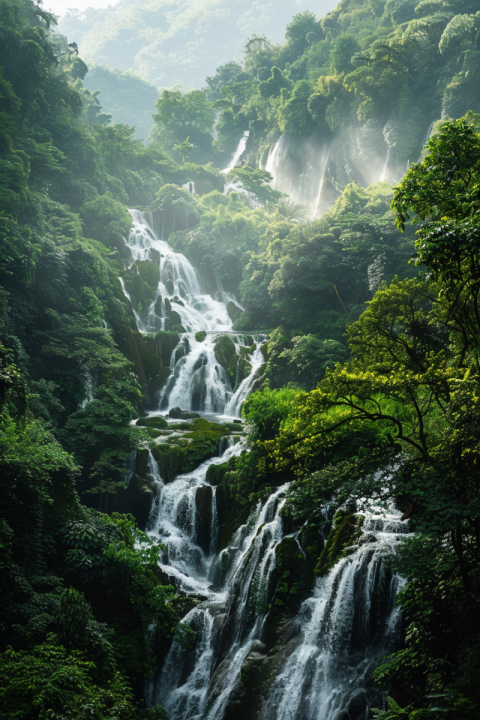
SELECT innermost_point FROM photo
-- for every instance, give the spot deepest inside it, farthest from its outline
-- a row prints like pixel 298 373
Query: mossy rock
pixel 226 355
pixel 235 517
pixel 179 329
pixel 180 352
pixel 151 355
pixel 157 422
pixel 244 369
pixel 203 525
pixel 264 350
pixel 168 306
pixel 173 319
pixel 243 322
pixel 233 311
pixel 200 336
pixel 344 533
pixel 203 437
pixel 138 497
pixel 293 577
pixel 177 413
pixel 158 306
pixel 149 272
pixel 216 473
pixel 141 281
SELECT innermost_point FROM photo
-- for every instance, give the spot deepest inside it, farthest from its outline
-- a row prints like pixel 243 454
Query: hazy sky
pixel 59 7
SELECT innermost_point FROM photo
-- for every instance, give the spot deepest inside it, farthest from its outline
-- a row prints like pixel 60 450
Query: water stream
pixel 198 381
pixel 301 175
pixel 349 621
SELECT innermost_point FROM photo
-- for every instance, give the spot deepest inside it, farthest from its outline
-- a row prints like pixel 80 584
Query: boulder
pixel 158 306
pixel 177 414
pixel 233 311
pixel 173 319
pixel 157 422
pixel 226 356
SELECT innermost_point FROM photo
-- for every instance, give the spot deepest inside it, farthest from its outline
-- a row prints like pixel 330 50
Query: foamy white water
pixel 198 382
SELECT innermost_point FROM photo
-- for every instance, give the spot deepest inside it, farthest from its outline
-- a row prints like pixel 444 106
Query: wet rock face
pixel 138 497
pixel 234 311
pixel 178 414
pixel 199 386
pixel 294 576
pixel 203 520
pixel 226 356
pixel 141 281
pixel 345 532
pixel 259 669
pixel 151 355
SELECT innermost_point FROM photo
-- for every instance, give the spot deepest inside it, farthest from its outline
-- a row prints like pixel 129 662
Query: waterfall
pixel 384 175
pixel 227 625
pixel 349 623
pixel 228 579
pixel 241 147
pixel 429 132
pixel 299 172
pixel 343 629
pixel 198 381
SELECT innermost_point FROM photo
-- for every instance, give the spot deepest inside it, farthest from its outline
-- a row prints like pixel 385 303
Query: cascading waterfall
pixel 234 586
pixel 384 175
pixel 241 147
pixel 198 381
pixel 351 619
pixel 302 178
pixel 350 622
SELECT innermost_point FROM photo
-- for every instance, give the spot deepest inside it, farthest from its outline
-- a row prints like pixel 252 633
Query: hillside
pixel 240 374
pixel 171 42
pixel 125 96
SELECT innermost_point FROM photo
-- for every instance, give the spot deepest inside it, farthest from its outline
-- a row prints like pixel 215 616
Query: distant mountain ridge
pixel 170 42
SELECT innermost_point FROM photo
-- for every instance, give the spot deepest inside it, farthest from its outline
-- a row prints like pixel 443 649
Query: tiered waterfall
pixel 323 670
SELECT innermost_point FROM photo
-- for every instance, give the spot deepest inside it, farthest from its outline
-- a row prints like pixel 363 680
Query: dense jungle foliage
pixel 378 403
pixel 397 424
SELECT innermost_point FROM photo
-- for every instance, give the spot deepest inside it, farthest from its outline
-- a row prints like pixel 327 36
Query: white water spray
pixel 241 147
pixel 198 381
pixel 350 622
pixel 301 176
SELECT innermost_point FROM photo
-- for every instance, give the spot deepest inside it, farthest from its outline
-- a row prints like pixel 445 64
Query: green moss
pixel 157 422
pixel 226 355
pixel 183 454
pixel 345 532
pixel 151 355
pixel 200 336
pixel 233 311
pixel 141 281
pixel 149 272
pixel 216 473
pixel 292 573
